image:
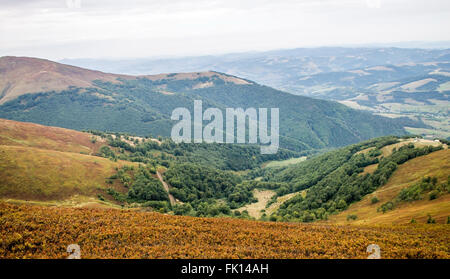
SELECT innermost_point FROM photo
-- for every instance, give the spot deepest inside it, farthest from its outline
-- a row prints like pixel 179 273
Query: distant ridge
pixel 22 75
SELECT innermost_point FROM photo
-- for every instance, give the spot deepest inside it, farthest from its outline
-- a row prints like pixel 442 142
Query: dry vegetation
pixel 37 174
pixel 34 135
pixel 280 200
pixel 263 197
pixel 43 232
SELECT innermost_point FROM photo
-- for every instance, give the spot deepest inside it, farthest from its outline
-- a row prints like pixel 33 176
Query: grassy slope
pixel 37 174
pixel 40 163
pixel 283 163
pixel 434 164
pixel 45 137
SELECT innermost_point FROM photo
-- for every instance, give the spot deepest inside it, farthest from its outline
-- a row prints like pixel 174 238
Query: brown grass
pixel 43 232
pixel 28 173
pixel 370 169
pixel 24 75
pixel 15 133
pixel 254 209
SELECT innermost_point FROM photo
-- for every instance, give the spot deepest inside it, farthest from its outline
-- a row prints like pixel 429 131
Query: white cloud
pixel 113 28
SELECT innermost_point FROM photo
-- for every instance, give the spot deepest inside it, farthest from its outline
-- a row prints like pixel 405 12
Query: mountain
pixel 81 99
pixel 394 82
pixel 21 75
pixel 278 68
pixel 60 186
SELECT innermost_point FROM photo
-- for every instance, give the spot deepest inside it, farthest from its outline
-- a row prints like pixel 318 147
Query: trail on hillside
pixel 166 187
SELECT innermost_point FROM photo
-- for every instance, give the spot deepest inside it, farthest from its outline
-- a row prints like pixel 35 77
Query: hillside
pixel 22 75
pixel 436 164
pixel 114 233
pixel 32 174
pixel 57 166
pixel 53 166
pixel 394 82
pixel 44 137
pixel 143 105
pixel 347 178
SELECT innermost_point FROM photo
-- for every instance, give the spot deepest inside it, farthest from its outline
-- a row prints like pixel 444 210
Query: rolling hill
pixel 415 90
pixel 142 105
pixel 394 82
pixel 340 186
pixel 436 164
pixel 53 166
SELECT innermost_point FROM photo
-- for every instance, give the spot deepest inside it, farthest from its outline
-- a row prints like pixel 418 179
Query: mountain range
pixel 50 93
pixel 394 82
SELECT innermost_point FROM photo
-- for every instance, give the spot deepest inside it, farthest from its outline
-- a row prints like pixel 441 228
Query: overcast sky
pixel 58 29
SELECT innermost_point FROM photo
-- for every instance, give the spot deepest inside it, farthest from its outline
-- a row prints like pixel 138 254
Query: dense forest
pixel 143 107
pixel 217 179
pixel 346 183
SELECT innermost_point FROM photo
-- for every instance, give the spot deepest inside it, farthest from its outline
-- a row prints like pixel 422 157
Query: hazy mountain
pixel 143 104
pixel 394 82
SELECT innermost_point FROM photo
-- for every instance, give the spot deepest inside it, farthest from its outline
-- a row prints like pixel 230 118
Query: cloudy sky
pixel 57 29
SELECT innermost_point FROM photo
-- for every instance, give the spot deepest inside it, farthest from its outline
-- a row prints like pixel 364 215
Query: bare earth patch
pixel 254 209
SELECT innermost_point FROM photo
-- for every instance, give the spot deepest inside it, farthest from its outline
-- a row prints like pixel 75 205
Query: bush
pixel 374 200
pixel 430 220
pixel 386 206
pixel 433 195
pixel 351 217
pixel 183 209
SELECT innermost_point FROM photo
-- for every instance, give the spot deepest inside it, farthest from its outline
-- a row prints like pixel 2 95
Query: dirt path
pixel 166 187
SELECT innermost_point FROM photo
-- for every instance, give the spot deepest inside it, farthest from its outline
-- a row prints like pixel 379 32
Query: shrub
pixel 386 206
pixel 374 200
pixel 430 220
pixel 433 195
pixel 351 217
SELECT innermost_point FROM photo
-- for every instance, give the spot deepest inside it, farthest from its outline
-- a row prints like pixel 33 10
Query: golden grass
pixel 370 169
pixel 45 137
pixel 283 163
pixel 280 200
pixel 28 173
pixel 43 232
pixel 435 164
pixel 254 209
pixel 387 150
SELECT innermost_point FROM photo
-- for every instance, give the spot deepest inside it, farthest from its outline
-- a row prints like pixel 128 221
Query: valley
pixel 90 153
